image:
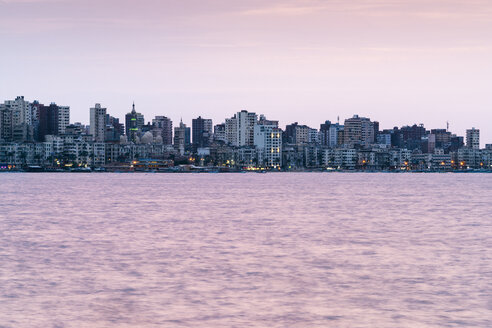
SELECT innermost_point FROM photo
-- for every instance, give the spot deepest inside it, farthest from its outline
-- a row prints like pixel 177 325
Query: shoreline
pixel 244 171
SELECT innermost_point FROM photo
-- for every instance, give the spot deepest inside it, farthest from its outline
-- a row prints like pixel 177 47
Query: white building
pixel 246 122
pixel 21 111
pixel 98 123
pixel 346 158
pixel 268 142
pixel 63 118
pixel 231 131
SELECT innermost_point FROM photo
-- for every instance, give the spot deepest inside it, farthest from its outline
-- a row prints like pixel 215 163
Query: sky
pixel 398 62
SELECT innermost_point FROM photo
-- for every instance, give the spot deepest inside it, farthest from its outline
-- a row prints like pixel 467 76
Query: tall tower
pixel 63 118
pixel 201 129
pixel 246 122
pixel 6 126
pixel 473 138
pixel 98 123
pixel 231 130
pixel 133 124
pixel 182 138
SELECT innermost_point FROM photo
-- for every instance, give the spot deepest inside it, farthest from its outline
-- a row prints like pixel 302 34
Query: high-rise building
pixel 201 129
pixel 333 132
pixel 289 135
pixel 63 118
pixel 313 136
pixel 35 109
pixel 324 133
pixel 48 116
pixel 246 122
pixel 22 132
pixel 384 139
pixel 114 129
pixel 410 137
pixel 473 138
pixel 182 138
pixel 133 124
pixel 98 123
pixel 53 119
pixel 21 111
pixel 456 142
pixel 297 134
pixel 443 138
pixel 428 144
pixel 6 126
pixel 340 137
pixel 220 132
pixel 268 143
pixel 166 126
pixel 358 131
pixel 231 131
pixel 376 129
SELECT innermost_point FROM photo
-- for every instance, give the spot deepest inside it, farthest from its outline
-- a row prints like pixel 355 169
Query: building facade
pixel 166 125
pixel 358 131
pixel 98 123
pixel 182 140
pixel 246 122
pixel 202 133
pixel 133 125
pixel 473 138
pixel 268 143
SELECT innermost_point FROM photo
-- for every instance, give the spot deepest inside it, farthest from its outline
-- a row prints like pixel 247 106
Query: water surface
pixel 246 250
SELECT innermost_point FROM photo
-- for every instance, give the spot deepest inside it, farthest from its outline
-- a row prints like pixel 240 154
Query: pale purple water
pixel 245 250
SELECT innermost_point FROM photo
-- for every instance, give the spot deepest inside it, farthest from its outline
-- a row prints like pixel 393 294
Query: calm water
pixel 246 250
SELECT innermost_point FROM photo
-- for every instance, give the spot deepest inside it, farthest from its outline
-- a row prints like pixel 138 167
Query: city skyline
pixel 37 136
pixel 396 61
pixel 150 118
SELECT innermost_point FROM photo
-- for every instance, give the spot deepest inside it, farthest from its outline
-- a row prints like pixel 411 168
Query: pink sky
pixel 395 61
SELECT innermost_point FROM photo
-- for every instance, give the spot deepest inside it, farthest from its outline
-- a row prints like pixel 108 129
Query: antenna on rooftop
pixel 338 119
pixel 447 126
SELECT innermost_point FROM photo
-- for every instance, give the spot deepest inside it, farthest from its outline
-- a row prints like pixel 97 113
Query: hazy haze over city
pixel 397 62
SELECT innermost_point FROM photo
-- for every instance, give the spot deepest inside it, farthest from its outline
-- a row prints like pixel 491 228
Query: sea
pixel 245 250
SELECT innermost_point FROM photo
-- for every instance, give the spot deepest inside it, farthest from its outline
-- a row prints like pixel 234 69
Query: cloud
pixel 435 10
